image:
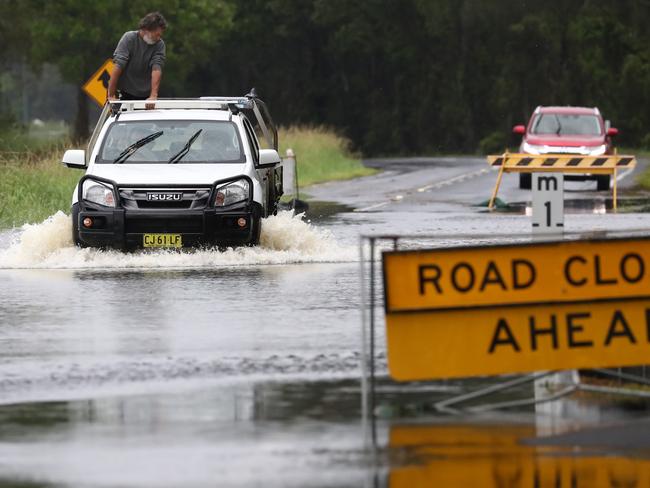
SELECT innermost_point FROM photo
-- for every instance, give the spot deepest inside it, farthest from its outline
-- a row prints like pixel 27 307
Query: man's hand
pixel 150 106
pixel 156 75
pixel 112 83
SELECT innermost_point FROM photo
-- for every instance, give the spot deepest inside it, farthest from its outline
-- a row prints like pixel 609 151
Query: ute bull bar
pixel 126 225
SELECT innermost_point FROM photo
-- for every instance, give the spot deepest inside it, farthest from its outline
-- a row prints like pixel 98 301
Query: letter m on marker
pixel 547 181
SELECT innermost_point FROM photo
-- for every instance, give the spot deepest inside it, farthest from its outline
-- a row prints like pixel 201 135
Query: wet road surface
pixel 241 368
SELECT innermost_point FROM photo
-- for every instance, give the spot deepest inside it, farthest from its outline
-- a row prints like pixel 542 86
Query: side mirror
pixel 612 131
pixel 75 158
pixel 519 129
pixel 269 157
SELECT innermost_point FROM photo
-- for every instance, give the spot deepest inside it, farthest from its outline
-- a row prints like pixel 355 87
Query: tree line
pixel 395 76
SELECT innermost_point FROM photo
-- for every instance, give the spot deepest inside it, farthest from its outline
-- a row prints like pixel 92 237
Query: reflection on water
pixel 239 434
pixel 494 457
pixel 286 433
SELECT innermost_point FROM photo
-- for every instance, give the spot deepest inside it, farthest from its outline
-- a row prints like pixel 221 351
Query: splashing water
pixel 286 238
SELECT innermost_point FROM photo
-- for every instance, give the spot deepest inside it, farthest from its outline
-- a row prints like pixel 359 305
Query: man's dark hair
pixel 153 21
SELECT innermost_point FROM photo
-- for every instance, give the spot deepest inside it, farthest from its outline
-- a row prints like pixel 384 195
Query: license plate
pixel 162 240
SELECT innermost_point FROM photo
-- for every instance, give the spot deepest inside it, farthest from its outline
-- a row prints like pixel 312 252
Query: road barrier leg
pixel 615 191
pixel 496 187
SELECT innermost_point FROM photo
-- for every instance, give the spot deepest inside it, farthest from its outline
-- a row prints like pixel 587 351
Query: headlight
pixel 234 192
pixel 99 193
pixel 597 151
pixel 532 149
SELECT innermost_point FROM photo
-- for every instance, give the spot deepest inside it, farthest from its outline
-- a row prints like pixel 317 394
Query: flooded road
pixel 241 368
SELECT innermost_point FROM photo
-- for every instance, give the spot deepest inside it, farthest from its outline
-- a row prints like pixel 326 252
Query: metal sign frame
pixel 371 302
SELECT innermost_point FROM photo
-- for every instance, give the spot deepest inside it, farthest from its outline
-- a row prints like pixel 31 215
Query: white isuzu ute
pixel 188 172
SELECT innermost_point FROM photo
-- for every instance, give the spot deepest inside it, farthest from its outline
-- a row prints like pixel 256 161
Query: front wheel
pixel 74 215
pixel 257 231
pixel 256 223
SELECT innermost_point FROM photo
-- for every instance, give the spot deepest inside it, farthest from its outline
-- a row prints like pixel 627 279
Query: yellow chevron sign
pixel 561 162
pixel 97 85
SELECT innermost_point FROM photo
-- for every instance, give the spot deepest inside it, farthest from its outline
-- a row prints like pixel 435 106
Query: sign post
pixel 548 203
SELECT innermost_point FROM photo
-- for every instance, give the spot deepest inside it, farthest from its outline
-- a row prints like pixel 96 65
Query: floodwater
pixel 241 368
pixel 169 369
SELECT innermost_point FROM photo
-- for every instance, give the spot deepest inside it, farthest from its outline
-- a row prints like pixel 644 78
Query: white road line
pixel 624 174
pixel 455 179
pixel 371 207
pixel 432 186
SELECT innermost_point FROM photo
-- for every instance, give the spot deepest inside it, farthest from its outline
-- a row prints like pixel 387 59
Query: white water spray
pixel 286 238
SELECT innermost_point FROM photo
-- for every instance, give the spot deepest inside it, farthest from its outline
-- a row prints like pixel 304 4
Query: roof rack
pixel 250 104
pixel 207 103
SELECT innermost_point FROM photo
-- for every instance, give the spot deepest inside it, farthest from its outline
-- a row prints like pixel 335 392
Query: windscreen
pixel 171 141
pixel 566 124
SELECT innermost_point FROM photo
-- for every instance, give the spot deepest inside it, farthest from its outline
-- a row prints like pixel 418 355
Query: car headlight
pixel 99 193
pixel 532 148
pixel 598 150
pixel 234 192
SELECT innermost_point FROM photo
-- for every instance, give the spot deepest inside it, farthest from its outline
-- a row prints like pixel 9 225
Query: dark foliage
pixel 413 76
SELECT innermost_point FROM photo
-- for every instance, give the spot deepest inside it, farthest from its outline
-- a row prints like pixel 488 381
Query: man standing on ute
pixel 139 58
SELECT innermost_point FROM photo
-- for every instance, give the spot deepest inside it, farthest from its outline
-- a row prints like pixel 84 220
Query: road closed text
pixel 547 273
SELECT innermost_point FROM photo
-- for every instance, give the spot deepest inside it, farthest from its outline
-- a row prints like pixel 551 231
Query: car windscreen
pixel 566 124
pixel 175 141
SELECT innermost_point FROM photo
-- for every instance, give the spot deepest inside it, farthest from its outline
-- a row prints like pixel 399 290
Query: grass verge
pixel 321 155
pixel 34 184
pixel 33 187
pixel 643 180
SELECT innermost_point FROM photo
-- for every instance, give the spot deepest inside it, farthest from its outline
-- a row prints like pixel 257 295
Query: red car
pixel 566 130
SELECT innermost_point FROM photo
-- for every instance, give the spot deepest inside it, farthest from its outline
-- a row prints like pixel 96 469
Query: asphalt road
pixel 448 184
pixel 447 198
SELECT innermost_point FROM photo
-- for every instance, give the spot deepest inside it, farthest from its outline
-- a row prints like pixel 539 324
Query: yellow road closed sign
pixel 97 85
pixel 517 308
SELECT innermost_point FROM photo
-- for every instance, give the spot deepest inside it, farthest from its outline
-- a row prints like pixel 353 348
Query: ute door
pixel 263 174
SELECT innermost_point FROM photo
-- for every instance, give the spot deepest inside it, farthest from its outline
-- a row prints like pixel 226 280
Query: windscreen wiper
pixel 559 125
pixel 128 152
pixel 180 154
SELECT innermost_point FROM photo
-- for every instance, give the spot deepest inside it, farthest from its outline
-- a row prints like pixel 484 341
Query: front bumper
pixel 125 228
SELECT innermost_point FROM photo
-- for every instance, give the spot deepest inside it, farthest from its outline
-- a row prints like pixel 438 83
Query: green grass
pixel 643 180
pixel 34 184
pixel 33 139
pixel 321 155
pixel 33 188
